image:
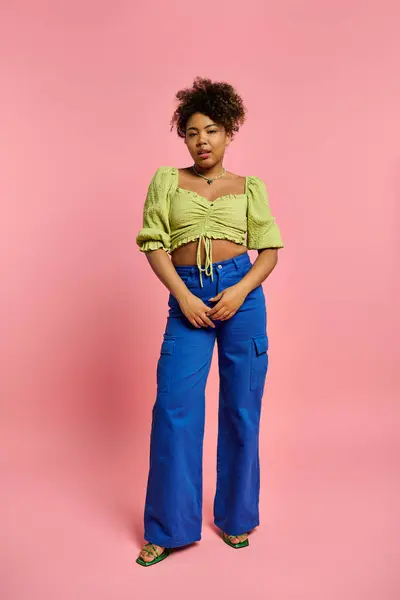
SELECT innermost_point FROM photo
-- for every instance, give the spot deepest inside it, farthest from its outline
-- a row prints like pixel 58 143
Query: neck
pixel 213 171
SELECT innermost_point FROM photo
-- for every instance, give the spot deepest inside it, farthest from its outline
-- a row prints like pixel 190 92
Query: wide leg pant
pixel 173 506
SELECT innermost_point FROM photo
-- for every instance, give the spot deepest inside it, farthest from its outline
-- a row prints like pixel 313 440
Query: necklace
pixel 208 179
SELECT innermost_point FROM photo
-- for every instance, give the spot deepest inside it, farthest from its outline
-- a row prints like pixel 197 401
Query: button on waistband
pixel 219 266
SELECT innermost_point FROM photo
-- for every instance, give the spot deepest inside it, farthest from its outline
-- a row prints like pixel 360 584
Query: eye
pixel 212 131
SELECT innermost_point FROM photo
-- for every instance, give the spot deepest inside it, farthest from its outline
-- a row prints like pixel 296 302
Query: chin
pixel 200 162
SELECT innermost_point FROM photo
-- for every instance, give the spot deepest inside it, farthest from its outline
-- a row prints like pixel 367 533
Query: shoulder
pixel 255 185
pixel 163 176
pixel 164 171
pixel 254 180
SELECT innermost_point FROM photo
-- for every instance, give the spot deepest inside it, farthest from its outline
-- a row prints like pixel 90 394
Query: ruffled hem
pixel 214 236
pixel 152 245
pixel 266 246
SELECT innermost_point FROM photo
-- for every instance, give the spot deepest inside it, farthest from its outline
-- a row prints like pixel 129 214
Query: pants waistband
pixel 236 262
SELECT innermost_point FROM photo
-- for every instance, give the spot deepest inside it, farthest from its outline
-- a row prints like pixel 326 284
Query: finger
pixel 220 312
pixel 199 320
pixel 204 315
pixel 207 312
pixel 214 309
pixel 193 322
pixel 208 321
pixel 228 316
pixel 217 297
pixel 225 315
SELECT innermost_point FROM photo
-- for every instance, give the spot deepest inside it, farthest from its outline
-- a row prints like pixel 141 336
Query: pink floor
pixel 71 517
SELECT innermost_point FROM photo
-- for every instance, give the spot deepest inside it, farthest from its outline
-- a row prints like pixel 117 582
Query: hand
pixel 229 301
pixel 195 310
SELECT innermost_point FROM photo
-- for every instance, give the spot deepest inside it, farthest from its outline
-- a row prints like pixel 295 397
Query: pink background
pixel 87 92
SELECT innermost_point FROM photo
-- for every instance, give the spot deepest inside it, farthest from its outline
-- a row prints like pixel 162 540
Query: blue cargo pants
pixel 173 505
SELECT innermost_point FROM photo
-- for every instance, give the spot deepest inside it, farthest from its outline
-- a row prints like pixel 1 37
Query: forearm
pixel 163 267
pixel 262 267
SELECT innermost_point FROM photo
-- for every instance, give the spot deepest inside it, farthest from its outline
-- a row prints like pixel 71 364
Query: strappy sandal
pixel 151 551
pixel 227 539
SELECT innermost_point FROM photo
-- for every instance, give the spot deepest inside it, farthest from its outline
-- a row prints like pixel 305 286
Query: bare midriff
pixel 221 250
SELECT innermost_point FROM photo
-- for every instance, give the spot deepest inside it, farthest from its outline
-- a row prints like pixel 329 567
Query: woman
pixel 200 215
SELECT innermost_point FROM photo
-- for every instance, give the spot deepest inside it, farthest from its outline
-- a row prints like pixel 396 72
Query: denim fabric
pixel 173 506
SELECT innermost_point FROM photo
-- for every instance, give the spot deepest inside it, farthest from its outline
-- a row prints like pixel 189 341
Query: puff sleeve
pixel 155 232
pixel 262 231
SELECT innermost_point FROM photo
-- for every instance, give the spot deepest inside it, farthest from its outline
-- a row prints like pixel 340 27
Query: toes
pixel 238 538
pixel 148 557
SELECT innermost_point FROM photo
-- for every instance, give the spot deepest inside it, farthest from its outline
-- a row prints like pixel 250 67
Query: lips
pixel 204 152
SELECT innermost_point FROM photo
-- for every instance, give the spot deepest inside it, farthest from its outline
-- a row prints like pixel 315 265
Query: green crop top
pixel 173 216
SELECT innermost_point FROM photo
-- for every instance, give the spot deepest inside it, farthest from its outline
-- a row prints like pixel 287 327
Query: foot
pixel 237 539
pixel 150 551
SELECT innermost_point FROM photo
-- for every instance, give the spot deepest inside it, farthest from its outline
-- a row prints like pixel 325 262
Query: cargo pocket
pixel 259 361
pixel 164 365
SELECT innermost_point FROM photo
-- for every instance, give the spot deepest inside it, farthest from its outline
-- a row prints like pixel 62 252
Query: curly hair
pixel 218 100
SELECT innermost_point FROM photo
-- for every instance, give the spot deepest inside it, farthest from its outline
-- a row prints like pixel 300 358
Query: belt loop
pixel 235 262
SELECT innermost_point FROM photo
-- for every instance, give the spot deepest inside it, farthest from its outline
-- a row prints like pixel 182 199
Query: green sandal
pixel 227 539
pixel 153 552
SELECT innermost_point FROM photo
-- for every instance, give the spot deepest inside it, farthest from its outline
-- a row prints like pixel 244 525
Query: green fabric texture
pixel 173 216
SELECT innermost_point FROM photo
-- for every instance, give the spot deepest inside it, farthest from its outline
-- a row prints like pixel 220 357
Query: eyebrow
pixel 210 125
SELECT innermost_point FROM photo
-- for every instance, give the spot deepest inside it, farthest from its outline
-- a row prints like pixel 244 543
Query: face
pixel 202 133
